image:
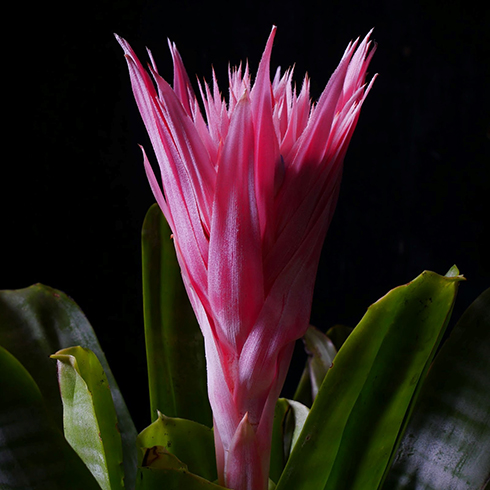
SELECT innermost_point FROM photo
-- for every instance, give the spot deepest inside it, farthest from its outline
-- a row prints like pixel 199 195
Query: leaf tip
pixel 454 272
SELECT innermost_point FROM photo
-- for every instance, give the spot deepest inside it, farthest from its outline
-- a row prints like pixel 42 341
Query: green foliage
pixel 189 441
pixel 89 416
pixel 37 321
pixel 360 412
pixel 33 452
pixel 447 442
pixel 176 454
pixel 365 389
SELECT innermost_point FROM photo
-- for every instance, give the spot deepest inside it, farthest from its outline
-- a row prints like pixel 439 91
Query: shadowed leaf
pixel 39 320
pixel 447 442
pixel 33 452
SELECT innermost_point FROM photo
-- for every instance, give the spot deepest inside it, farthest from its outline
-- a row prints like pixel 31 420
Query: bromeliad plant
pixel 249 189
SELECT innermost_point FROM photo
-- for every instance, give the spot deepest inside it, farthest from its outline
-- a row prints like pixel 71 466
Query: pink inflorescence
pixel 249 190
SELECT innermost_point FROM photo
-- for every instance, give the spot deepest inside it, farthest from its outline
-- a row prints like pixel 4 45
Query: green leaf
pixel 357 418
pixel 338 334
pixel 447 441
pixel 158 457
pixel 33 452
pixel 452 272
pixel 39 320
pixel 161 469
pixel 321 352
pixel 174 343
pixel 89 416
pixel 289 419
pixel 295 422
pixel 278 454
pixel 191 442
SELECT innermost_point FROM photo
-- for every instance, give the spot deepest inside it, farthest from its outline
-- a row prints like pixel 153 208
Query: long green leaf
pixel 174 343
pixel 39 320
pixel 89 416
pixel 191 442
pixel 355 421
pixel 34 454
pixel 447 442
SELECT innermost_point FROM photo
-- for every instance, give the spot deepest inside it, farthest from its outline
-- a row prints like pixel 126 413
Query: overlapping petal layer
pixel 249 190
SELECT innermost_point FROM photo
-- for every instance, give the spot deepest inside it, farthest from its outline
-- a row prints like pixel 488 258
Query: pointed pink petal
pixel 316 141
pixel 179 193
pixel 196 165
pixel 235 261
pixel 182 86
pixel 267 155
pixel 356 71
pixel 157 192
pixel 206 138
pixel 244 453
pixel 300 111
pixel 310 145
pixel 213 113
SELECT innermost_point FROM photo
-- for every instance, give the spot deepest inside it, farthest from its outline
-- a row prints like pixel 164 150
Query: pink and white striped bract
pixel 249 189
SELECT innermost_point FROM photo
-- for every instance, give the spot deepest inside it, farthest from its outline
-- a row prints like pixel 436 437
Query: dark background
pixel 415 191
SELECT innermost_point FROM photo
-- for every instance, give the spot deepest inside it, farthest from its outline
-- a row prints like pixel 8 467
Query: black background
pixel 415 191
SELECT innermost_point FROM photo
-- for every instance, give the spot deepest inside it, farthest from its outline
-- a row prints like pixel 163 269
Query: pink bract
pixel 249 190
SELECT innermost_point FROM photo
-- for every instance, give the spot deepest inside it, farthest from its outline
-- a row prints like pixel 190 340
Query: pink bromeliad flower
pixel 249 191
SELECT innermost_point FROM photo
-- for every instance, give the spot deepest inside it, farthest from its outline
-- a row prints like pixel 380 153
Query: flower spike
pixel 249 190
